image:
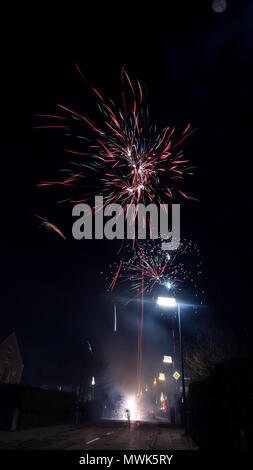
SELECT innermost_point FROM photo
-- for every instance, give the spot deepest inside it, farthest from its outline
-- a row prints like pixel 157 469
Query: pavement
pixel 105 435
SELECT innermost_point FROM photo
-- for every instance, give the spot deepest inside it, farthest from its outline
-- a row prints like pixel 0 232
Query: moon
pixel 219 6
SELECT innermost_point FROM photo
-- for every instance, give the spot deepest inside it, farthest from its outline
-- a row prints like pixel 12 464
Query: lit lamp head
pixel 167 359
pixel 166 301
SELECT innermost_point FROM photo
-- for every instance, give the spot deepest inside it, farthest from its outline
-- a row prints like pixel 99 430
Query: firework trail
pixel 50 226
pixel 135 162
pixel 112 285
pixel 89 346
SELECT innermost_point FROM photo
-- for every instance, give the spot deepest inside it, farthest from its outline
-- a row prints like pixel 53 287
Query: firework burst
pixel 151 266
pixel 136 163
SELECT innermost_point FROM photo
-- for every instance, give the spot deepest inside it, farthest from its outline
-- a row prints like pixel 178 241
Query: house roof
pixel 5 334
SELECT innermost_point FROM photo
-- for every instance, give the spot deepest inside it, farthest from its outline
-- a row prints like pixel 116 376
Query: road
pixel 105 435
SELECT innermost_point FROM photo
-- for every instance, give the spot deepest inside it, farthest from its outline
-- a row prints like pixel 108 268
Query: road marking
pixel 93 440
pixel 109 433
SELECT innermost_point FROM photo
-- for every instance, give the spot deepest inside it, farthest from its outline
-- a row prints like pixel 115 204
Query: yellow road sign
pixel 176 375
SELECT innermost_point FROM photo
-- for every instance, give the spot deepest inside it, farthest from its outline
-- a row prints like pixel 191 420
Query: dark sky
pixel 197 66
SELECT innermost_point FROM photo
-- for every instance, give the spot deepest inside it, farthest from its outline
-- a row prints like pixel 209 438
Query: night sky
pixel 197 66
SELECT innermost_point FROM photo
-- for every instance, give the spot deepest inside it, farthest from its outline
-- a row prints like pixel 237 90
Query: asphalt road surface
pixel 105 435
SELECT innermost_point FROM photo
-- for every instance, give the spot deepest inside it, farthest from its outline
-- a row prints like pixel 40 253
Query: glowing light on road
pixel 131 405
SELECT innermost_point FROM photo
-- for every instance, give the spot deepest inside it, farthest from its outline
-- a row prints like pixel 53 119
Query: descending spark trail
pixel 89 346
pixel 50 226
pixel 112 285
pixel 135 162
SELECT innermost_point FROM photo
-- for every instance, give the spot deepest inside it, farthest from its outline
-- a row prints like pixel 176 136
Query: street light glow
pixel 166 301
pixel 167 359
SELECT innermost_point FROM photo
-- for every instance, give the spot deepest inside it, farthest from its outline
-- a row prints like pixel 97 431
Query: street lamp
pixel 167 359
pixel 166 301
pixel 171 302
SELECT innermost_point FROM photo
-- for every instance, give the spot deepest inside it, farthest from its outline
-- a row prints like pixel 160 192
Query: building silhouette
pixel 11 364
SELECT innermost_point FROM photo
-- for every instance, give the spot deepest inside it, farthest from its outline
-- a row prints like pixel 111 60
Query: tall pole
pixel 182 368
pixel 140 351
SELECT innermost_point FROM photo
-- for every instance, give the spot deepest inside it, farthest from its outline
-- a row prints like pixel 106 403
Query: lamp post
pixel 182 366
pixel 171 302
